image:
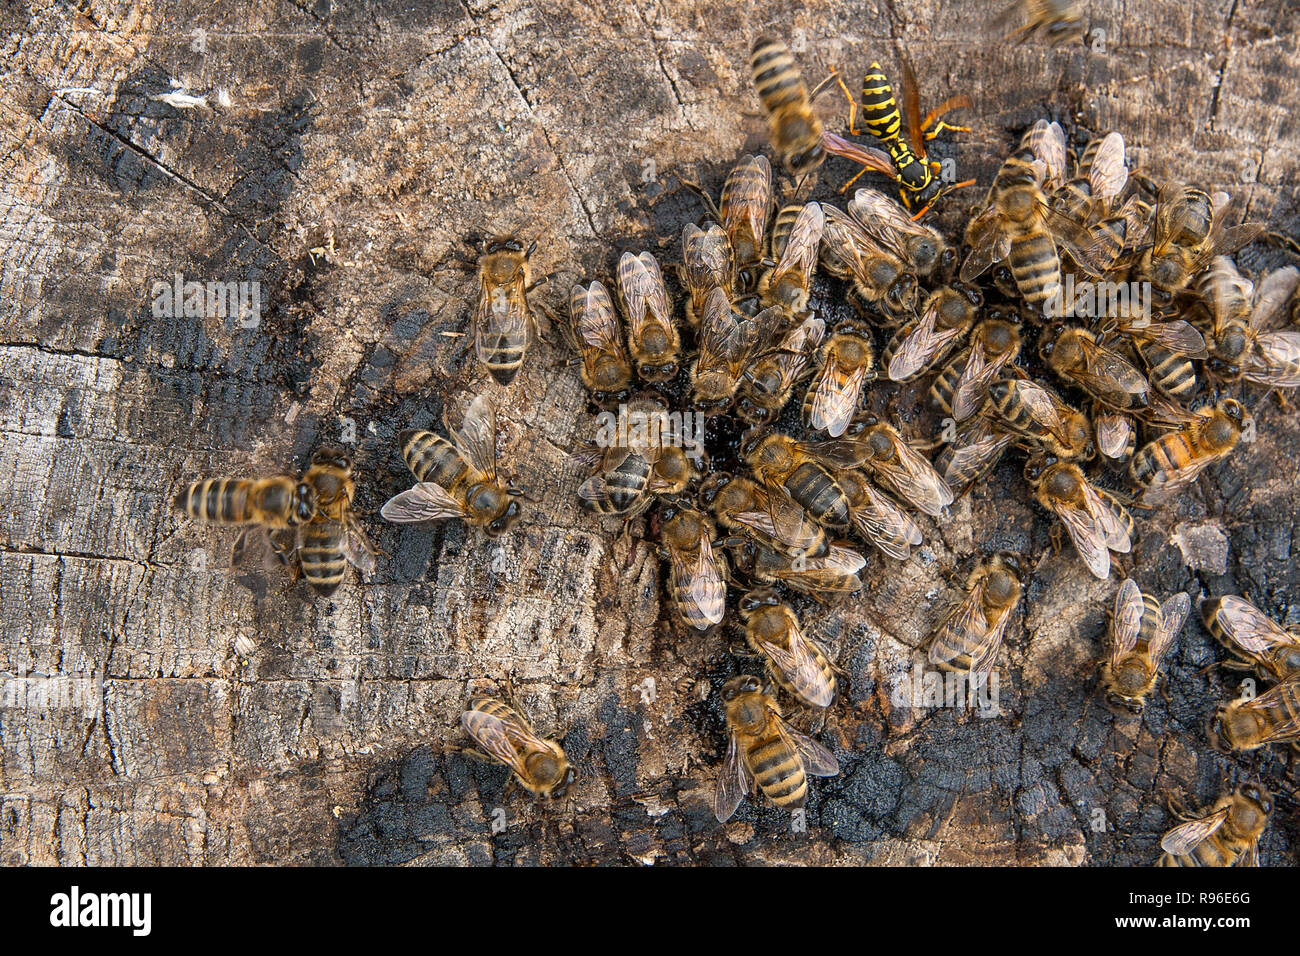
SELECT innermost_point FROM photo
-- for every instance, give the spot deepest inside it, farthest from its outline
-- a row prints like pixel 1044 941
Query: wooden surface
pixel 381 136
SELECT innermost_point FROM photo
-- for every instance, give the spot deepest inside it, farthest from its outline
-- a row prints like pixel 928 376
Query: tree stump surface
pixel 340 158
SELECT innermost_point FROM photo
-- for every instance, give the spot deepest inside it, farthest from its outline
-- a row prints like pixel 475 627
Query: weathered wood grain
pixel 343 155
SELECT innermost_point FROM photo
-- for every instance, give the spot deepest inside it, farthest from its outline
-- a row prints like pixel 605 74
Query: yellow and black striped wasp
pixel 903 134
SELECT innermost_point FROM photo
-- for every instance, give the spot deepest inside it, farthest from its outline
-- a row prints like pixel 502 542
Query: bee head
pixel 806 161
pixel 1118 701
pixel 760 597
pixel 744 684
pixel 332 457
pixel 1257 795
pixel 304 503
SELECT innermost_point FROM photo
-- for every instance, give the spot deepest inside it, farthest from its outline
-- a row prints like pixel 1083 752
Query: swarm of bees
pixel 1086 318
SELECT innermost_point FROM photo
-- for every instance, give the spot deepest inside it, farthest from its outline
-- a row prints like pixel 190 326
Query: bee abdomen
pixel 779 773
pixel 321 554
pixel 775 75
pixel 219 500
pixel 431 457
pixel 1170 372
pixel 1036 267
pixel 817 491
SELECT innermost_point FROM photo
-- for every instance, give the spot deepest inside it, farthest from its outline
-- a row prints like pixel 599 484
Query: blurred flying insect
pixel 1250 635
pixel 793 128
pixel 333 538
pixel 906 161
pixel 1190 228
pixel 707 263
pixel 458 477
pixel 652 337
pixel 962 386
pixel 835 391
pixel 595 333
pixel 796 662
pixel 1227 835
pixel 1037 415
pixel 1096 522
pixel 878 277
pixel 970 636
pixel 946 316
pixel 901 469
pixel 1142 630
pixel 538 764
pixel 1052 21
pixel 787 284
pixel 504 325
pixel 876 518
pixel 696 572
pixel 764 750
pixel 1251 723
pixel 1244 339
pixel 729 343
pixel 769 382
pixel 920 247
pixel 1173 460
pixel 1076 356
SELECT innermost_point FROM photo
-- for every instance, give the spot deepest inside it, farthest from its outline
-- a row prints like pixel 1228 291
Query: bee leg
pixel 1055 536
pixel 707 199
pixel 1177 808
pixel 1163 687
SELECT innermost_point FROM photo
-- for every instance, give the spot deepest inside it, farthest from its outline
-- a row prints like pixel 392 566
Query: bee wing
pixel 1088 539
pixel 1108 174
pixel 1172 615
pixel 833 404
pixel 1247 627
pixel 357 547
pixel 1040 405
pixel 835 452
pixel 911 105
pixel 798 664
pixel 705 589
pixel 783 520
pixel 966 462
pixel 595 323
pixel 500 737
pixel 477 437
pixel 887 526
pixel 734 781
pixel 1274 359
pixel 982 663
pixel 917 481
pixel 1166 483
pixel 974 381
pixel 1109 375
pixel 1186 837
pixel 1178 336
pixel 885 220
pixel 920 346
pixel 964 622
pixel 747 213
pixel 1113 432
pixel 991 244
pixel 721 332
pixel 797 347
pixel 1047 142
pixel 427 501
pixel 1126 621
pixel 1272 293
pixel 1287 728
pixel 642 287
pixel 801 246
pixel 1171 216
pixel 1108 524
pixel 500 315
pixel 817 760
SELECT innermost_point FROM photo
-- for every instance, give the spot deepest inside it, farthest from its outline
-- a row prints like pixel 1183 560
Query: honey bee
pixel 273 509
pixel 974 451
pixel 1248 724
pixel 769 382
pixel 457 478
pixel 1019 226
pixel 595 333
pixel 1096 524
pixel 1245 343
pixel 1038 415
pixel 1173 460
pixel 1142 630
pixel 804 471
pixel 920 247
pixel 333 538
pixel 707 264
pixel 782 226
pixel 652 337
pixel 1053 21
pixel 795 661
pixel 878 276
pixel 970 636
pixel 835 391
pixel 696 573
pixel 746 202
pixel 1228 835
pixel 946 316
pixel 1075 355
pixel 743 506
pixel 1189 229
pixel 962 386
pixel 835 572
pixel 788 284
pixel 538 764
pixel 1245 631
pixel 901 469
pixel 628 480
pixel 763 749
pixel 876 517
pixel 793 128
pixel 729 342
pixel 503 323
pixel 1101 177
pixel 1167 348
